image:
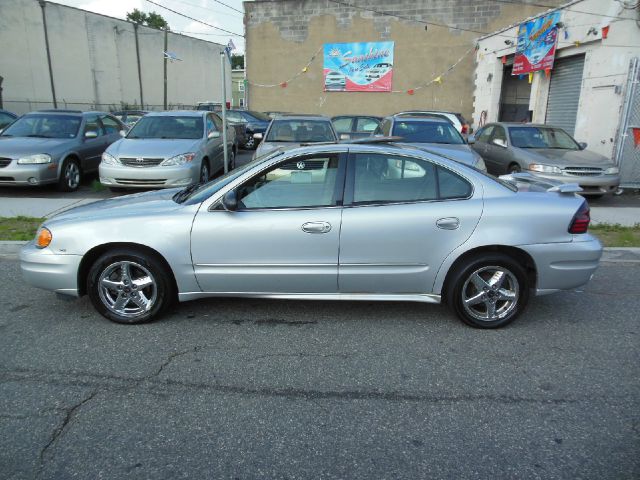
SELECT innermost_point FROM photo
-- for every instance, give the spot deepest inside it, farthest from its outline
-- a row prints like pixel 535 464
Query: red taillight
pixel 581 219
pixel 465 129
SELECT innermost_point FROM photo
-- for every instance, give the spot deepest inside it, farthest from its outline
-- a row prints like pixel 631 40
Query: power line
pixel 228 6
pixel 195 19
pixel 207 8
pixel 568 9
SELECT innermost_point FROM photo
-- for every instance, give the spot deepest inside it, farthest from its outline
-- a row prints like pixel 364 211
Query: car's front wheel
pixel 126 286
pixel 69 180
pixel 204 171
pixel 488 290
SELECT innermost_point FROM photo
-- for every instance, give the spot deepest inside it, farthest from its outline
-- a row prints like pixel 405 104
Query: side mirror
pixel 230 201
pixel 91 134
pixel 213 134
pixel 345 136
pixel 583 145
pixel 471 139
pixel 123 133
pixel 257 136
pixel 499 142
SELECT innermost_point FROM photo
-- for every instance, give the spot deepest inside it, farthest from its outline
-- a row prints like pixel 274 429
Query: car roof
pixel 423 119
pixel 520 124
pixel 179 113
pixel 356 116
pixel 68 112
pixel 121 112
pixel 302 116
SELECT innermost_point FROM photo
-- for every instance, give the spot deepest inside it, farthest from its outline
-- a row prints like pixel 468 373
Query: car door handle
pixel 316 227
pixel 448 223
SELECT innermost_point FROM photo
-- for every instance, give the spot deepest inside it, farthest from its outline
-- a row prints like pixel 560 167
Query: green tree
pixel 137 17
pixel 237 61
pixel 153 19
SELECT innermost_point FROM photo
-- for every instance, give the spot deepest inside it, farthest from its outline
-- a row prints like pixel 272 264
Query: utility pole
pixel 224 110
pixel 135 31
pixel 166 46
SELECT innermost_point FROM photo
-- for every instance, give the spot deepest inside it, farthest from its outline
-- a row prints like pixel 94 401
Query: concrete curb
pixel 610 254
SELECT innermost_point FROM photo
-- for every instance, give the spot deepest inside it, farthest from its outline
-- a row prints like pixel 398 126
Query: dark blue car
pixel 6 118
pixel 255 122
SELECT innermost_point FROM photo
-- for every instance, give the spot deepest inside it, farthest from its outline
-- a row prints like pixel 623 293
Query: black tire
pixel 108 268
pixel 232 159
pixel 205 172
pixel 70 175
pixel 463 284
pixel 514 168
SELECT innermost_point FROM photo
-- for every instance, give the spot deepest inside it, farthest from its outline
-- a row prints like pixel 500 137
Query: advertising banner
pixel 537 41
pixel 358 67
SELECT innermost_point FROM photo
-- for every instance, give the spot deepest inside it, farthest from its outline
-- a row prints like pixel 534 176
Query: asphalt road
pixel 258 389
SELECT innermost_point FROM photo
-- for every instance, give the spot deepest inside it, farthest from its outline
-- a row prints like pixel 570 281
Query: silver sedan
pixel 167 150
pixel 325 222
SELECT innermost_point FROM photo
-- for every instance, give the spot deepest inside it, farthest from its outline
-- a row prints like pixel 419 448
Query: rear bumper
pixel 595 185
pixel 564 266
pixel 45 269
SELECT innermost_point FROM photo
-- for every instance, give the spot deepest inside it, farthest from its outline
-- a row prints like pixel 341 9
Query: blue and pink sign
pixel 358 67
pixel 537 41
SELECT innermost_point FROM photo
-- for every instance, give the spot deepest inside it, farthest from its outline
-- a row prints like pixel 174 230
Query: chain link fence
pixel 25 106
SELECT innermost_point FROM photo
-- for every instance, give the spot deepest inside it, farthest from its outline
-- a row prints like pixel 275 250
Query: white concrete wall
pixel 605 72
pixel 94 63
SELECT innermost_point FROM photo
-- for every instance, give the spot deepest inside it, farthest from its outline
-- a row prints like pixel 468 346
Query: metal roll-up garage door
pixel 564 93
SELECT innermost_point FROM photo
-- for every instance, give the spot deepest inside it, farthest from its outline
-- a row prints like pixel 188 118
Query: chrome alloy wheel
pixel 72 175
pixel 127 289
pixel 490 293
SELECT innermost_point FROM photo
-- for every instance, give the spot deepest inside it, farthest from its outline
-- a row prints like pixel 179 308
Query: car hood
pixel 157 148
pixel 460 153
pixel 566 158
pixel 19 146
pixel 138 204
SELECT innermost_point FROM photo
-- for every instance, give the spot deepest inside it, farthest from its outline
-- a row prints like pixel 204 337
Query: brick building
pixel 282 36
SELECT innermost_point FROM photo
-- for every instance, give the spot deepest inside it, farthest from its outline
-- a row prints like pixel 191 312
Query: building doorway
pixel 514 97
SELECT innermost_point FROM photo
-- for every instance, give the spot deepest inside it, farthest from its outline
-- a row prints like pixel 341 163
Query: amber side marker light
pixel 43 238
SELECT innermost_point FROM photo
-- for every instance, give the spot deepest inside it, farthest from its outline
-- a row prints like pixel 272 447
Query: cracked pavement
pixel 247 389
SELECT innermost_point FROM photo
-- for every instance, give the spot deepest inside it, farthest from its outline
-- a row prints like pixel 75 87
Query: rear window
pixel 413 131
pixel 299 131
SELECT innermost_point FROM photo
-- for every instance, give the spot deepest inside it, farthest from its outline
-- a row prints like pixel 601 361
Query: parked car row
pixel 167 149
pixel 160 149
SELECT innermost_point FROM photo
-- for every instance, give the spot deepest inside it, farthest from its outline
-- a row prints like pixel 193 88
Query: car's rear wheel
pixel 69 180
pixel 488 290
pixel 126 286
pixel 515 168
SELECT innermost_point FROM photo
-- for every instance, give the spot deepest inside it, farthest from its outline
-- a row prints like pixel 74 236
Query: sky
pixel 208 11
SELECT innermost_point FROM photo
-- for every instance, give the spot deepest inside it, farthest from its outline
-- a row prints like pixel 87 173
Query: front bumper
pixel 45 269
pixel 592 185
pixel 564 266
pixel 149 177
pixel 28 175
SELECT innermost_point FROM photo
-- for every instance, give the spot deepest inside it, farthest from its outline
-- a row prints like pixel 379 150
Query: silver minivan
pixel 168 149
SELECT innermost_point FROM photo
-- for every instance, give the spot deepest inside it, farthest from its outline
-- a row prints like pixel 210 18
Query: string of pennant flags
pixel 438 79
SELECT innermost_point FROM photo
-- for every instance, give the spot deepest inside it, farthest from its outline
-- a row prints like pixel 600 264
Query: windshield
pixel 299 131
pixel 259 116
pixel 413 131
pixel 204 191
pixel 44 126
pixel 179 128
pixel 542 137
